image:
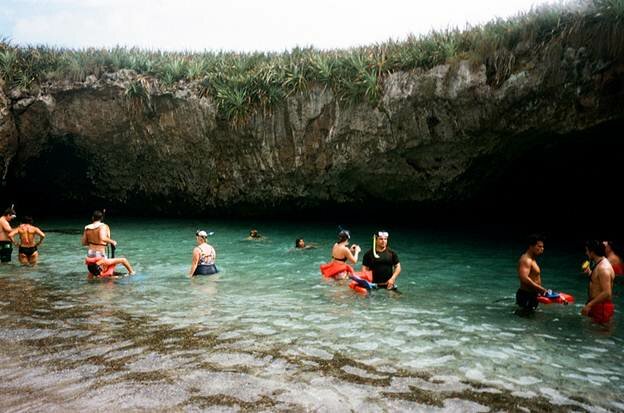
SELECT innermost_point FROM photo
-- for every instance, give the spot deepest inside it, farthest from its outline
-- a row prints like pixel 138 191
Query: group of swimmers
pixel 605 262
pixel 380 264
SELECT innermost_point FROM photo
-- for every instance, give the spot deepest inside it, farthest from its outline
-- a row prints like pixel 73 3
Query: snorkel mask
pixel 383 234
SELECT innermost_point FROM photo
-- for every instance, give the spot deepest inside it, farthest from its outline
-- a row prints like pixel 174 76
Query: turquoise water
pixel 269 334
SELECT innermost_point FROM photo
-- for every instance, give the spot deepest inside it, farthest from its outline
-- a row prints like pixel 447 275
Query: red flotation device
pixel 99 270
pixel 332 269
pixel 365 275
pixel 555 298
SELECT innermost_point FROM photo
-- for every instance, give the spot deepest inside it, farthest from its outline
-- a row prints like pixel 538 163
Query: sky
pixel 238 25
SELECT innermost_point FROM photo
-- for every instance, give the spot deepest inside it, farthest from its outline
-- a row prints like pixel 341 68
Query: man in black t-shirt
pixel 383 262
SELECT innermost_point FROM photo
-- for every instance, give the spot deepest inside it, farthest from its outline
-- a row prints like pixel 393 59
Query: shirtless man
pixel 530 274
pixel 6 246
pixel 28 253
pixel 96 236
pixel 599 305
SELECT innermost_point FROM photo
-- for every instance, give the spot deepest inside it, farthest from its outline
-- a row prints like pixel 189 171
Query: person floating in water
pixel 341 255
pixel 382 261
pixel 96 236
pixel 204 256
pixel 254 235
pixel 28 253
pixel 300 244
pixel 6 246
pixel 530 275
pixel 599 305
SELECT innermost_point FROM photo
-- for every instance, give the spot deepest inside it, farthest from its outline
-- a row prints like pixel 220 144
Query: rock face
pixel 438 137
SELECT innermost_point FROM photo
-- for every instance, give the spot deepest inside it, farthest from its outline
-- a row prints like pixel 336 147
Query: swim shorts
pixel 27 251
pixel 526 300
pixel 206 269
pixel 601 313
pixel 6 248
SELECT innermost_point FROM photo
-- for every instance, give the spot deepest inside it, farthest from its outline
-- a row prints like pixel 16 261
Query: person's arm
pixel 195 261
pixel 395 274
pixel 524 269
pixel 605 294
pixel 350 256
pixel 6 227
pixel 41 236
pixel 105 235
pixel 11 234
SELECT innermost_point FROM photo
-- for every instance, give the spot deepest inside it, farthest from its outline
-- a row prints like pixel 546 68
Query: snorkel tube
pixel 375 246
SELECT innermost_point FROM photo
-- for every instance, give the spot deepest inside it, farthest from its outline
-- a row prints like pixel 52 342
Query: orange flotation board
pixel 99 270
pixel 552 297
pixel 332 269
pixel 361 282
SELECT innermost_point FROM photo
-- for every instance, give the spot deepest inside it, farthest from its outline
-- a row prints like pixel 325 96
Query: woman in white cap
pixel 204 256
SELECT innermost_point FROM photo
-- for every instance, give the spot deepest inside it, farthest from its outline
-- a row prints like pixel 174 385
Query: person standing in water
pixel 204 256
pixel 28 253
pixel 341 255
pixel 530 275
pixel 96 236
pixel 382 262
pixel 6 246
pixel 599 305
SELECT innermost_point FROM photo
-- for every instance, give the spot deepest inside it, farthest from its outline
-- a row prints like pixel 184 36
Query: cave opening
pixel 563 181
pixel 55 183
pixel 559 181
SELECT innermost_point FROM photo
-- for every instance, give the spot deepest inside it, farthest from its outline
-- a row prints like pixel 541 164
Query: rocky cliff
pixel 450 136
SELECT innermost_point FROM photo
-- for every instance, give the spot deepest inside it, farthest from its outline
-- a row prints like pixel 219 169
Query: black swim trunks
pixel 526 299
pixel 6 248
pixel 27 251
pixel 206 269
pixel 94 269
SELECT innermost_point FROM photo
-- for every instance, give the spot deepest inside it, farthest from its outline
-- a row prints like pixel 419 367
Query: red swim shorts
pixel 601 313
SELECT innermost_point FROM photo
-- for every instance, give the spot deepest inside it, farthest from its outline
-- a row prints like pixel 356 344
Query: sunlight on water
pixel 268 333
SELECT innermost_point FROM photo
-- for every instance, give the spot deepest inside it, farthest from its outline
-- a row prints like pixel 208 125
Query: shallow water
pixel 269 334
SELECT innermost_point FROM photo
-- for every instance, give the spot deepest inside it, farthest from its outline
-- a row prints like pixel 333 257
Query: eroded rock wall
pixel 436 136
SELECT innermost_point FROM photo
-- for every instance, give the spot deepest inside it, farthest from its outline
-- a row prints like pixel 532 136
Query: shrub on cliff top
pixel 242 83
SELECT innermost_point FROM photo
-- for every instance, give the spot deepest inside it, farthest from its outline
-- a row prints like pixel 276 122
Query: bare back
pixel 601 279
pixel 94 237
pixel 27 235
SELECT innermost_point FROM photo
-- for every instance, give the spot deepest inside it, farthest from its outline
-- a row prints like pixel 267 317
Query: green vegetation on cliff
pixel 242 83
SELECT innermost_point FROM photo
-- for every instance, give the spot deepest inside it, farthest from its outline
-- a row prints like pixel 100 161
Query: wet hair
pixel 9 211
pixel 297 242
pixel 595 246
pixel 97 215
pixel 343 235
pixel 533 239
pixel 27 220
